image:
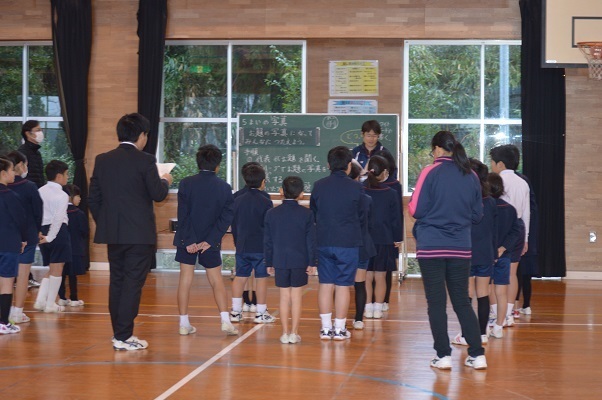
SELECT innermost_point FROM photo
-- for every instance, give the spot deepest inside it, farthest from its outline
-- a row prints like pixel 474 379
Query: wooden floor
pixel 554 354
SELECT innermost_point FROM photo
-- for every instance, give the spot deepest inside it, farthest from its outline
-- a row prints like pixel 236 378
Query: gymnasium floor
pixel 554 354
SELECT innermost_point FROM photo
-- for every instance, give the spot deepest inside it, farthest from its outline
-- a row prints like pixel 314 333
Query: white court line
pixel 207 364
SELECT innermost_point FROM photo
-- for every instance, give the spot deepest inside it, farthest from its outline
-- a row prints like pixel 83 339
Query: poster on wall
pixel 353 78
pixel 345 106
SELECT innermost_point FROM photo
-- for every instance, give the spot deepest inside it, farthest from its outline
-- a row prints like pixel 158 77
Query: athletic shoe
pixel 385 306
pixel 236 316
pixel 7 329
pixel 368 313
pixel 284 339
pixel 133 343
pixel 63 302
pixel 33 283
pixel 515 314
pixel 294 338
pixel 246 307
pixel 459 339
pixel 341 334
pixel 253 308
pixel 358 325
pixel 492 319
pixel 484 339
pixel 187 330
pixel 378 314
pixel 479 362
pixel 509 321
pixel 264 318
pixel 54 308
pixel 326 334
pixel 442 363
pixel 525 311
pixel 76 303
pixel 39 306
pixel 229 329
pixel 21 319
pixel 496 331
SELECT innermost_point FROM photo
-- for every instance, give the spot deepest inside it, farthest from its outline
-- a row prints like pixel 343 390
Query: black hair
pixel 390 160
pixel 496 185
pixel 339 158
pixel 208 157
pixel 371 125
pixel 482 171
pixel 508 154
pixel 130 126
pixel 16 157
pixel 356 170
pixel 28 126
pixel 447 141
pixel 55 167
pixel 72 190
pixel 253 176
pixel 376 166
pixel 5 164
pixel 247 165
pixel 292 187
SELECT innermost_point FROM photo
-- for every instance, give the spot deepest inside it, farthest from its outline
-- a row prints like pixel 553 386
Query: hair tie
pixel 372 170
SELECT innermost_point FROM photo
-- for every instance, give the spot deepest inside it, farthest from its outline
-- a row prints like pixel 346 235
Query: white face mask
pixel 24 174
pixel 39 136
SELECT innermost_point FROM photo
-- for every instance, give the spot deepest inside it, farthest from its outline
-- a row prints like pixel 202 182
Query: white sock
pixel 237 304
pixel 340 323
pixel 497 327
pixel 378 306
pixel 42 292
pixel 261 308
pixel 16 311
pixel 184 320
pixel 509 311
pixel 326 321
pixel 494 309
pixel 53 289
pixel 369 307
pixel 225 316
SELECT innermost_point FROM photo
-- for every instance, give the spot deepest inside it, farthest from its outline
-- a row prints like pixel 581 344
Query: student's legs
pixel 380 287
pixel 296 307
pixel 55 277
pixel 341 301
pixel 238 285
pixel 389 283
pixel 285 303
pixel 527 290
pixel 360 294
pixel 184 285
pixel 482 293
pixel 325 300
pixel 21 288
pixel 62 292
pixel 73 287
pixel 501 294
pixel 433 279
pixel 370 292
pixel 262 290
pixel 214 275
pixel 512 289
pixel 6 298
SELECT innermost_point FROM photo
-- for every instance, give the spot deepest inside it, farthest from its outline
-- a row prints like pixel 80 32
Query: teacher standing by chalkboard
pixel 370 143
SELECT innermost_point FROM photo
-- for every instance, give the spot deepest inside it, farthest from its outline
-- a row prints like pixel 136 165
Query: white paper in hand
pixel 165 168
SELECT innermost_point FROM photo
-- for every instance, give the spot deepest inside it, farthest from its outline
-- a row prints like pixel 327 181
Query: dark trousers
pixel 451 273
pixel 129 265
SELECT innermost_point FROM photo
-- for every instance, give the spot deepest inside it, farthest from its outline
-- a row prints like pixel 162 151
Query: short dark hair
pixel 130 126
pixel 72 190
pixel 253 176
pixel 356 170
pixel 507 153
pixel 482 172
pixel 496 185
pixel 28 126
pixel 371 125
pixel 247 165
pixel 292 187
pixel 376 166
pixel 208 157
pixel 16 157
pixel 339 158
pixel 55 167
pixel 5 164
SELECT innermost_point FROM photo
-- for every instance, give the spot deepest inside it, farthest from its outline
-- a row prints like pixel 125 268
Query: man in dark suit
pixel 124 184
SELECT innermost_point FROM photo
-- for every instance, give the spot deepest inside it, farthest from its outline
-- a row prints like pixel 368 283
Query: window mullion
pixel 25 88
pixel 482 125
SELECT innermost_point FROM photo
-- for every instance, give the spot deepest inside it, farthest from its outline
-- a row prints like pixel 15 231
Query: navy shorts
pixel 249 262
pixel 482 271
pixel 293 277
pixel 384 260
pixel 9 264
pixel 59 250
pixel 501 272
pixel 337 265
pixel 520 244
pixel 363 264
pixel 28 255
pixel 211 258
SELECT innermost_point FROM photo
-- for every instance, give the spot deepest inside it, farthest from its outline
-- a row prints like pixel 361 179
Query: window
pixel 206 85
pixel 470 88
pixel 28 90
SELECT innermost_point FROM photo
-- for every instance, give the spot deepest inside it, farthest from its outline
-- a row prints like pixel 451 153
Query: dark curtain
pixel 72 43
pixel 544 123
pixel 152 22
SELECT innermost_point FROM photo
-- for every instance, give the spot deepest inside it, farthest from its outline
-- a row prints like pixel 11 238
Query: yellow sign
pixel 354 78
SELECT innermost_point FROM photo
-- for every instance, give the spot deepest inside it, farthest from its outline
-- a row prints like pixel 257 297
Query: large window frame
pixel 230 120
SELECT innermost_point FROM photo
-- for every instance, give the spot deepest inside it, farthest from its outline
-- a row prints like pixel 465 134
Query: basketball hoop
pixel 593 52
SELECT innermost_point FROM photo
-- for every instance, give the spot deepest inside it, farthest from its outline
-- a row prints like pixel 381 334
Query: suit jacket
pixel 124 184
pixel 247 225
pixel 290 236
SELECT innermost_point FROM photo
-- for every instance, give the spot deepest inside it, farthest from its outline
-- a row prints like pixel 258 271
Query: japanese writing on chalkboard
pixel 262 136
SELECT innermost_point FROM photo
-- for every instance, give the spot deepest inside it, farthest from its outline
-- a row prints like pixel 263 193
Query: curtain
pixel 544 123
pixel 152 22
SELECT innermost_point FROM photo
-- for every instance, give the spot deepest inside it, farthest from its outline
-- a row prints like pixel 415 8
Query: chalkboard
pixel 298 144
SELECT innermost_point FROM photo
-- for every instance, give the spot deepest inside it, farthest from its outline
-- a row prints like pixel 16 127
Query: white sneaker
pixel 133 343
pixel 368 313
pixel 378 314
pixel 293 338
pixel 341 334
pixel 284 339
pixel 358 325
pixel 326 334
pixel 20 319
pixel 54 308
pixel 63 302
pixel 253 308
pixel 246 307
pixel 39 306
pixel 525 311
pixel 76 303
pixel 479 362
pixel 236 316
pixel 515 313
pixel 492 319
pixel 229 329
pixel 385 306
pixel 442 363
pixel 264 318
pixel 459 339
pixel 496 331
pixel 7 329
pixel 509 321
pixel 187 330
pixel 484 339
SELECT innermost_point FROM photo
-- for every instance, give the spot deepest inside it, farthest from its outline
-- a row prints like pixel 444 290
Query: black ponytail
pixel 376 166
pixel 482 172
pixel 448 142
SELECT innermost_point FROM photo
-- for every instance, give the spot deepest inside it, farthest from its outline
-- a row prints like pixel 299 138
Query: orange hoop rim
pixel 589 44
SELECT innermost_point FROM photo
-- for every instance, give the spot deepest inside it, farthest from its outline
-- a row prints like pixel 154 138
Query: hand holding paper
pixel 164 171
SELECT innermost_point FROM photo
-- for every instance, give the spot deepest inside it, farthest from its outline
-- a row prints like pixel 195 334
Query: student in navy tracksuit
pixel 204 215
pixel 290 252
pixel 247 230
pixel 510 231
pixel 78 230
pixel 337 202
pixel 446 202
pixel 32 203
pixel 371 131
pixel 13 236
pixel 385 232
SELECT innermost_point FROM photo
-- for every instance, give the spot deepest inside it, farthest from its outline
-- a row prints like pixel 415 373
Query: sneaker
pixel 21 319
pixel 479 362
pixel 492 319
pixel 284 339
pixel 442 363
pixel 341 334
pixel 54 308
pixel 246 307
pixel 76 303
pixel 525 311
pixel 378 314
pixel 368 313
pixel 515 314
pixel 294 338
pixel 459 339
pixel 509 321
pixel 39 306
pixel 133 343
pixel 326 334
pixel 484 339
pixel 33 283
pixel 496 331
pixel 264 318
pixel 236 316
pixel 229 329
pixel 187 330
pixel 7 329
pixel 253 308
pixel 63 302
pixel 385 306
pixel 358 325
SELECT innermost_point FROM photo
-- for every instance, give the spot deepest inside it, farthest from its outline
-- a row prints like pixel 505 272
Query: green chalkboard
pixel 298 144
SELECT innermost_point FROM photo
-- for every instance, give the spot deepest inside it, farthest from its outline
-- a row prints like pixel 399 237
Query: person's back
pixel 484 235
pixel 508 230
pixel 32 203
pixel 247 225
pixel 385 215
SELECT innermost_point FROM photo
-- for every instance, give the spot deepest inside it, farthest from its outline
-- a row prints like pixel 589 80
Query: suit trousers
pixel 129 265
